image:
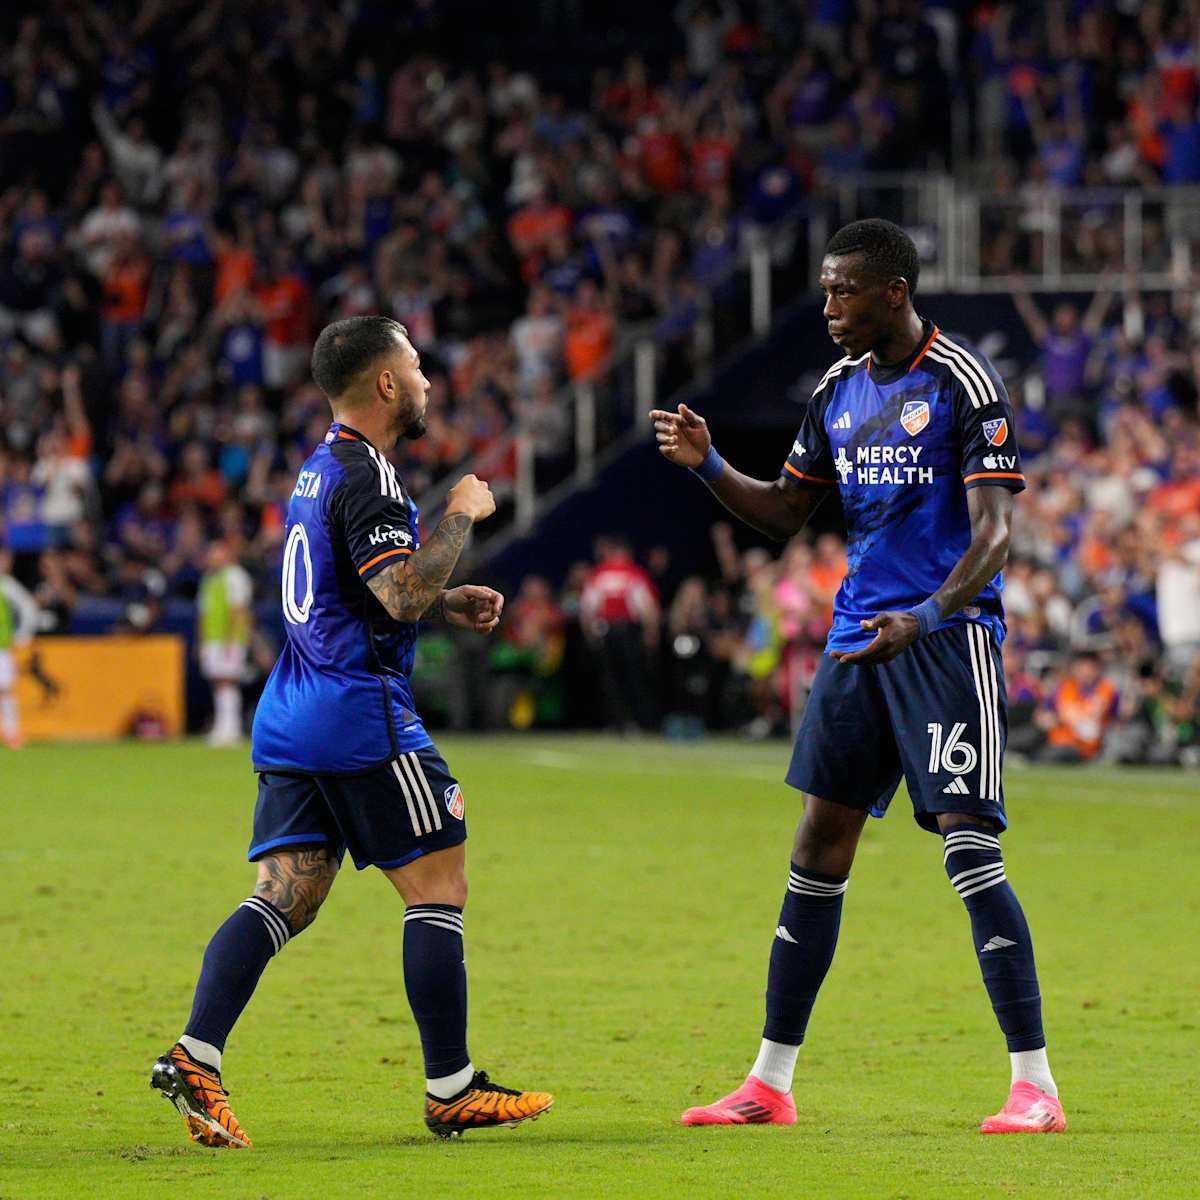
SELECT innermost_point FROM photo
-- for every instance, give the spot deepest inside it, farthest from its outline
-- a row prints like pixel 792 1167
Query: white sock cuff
pixel 1032 1066
pixel 202 1052
pixel 776 1064
pixel 450 1085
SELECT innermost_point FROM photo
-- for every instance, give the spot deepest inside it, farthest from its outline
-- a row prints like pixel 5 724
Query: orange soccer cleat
pixel 202 1101
pixel 483 1104
pixel 1027 1110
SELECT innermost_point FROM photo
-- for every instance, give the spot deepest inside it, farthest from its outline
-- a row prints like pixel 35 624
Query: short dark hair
pixel 889 251
pixel 347 348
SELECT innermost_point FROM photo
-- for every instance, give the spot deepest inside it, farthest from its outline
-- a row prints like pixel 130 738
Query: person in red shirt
pixel 286 304
pixel 619 612
pixel 629 99
pixel 712 155
pixel 660 154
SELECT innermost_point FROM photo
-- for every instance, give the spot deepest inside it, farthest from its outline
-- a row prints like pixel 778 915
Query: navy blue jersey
pixel 903 447
pixel 339 698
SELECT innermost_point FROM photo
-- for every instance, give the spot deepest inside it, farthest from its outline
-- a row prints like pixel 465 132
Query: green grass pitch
pixel 624 896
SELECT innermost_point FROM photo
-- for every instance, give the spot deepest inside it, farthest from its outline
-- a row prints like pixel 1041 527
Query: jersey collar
pixel 884 375
pixel 343 433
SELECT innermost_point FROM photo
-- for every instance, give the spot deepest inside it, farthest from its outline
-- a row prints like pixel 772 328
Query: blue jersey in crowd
pixel 339 699
pixel 903 446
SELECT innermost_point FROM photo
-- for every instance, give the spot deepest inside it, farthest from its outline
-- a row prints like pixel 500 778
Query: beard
pixel 411 425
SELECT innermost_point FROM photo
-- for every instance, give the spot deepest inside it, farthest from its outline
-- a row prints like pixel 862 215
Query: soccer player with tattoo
pixel 916 432
pixel 343 760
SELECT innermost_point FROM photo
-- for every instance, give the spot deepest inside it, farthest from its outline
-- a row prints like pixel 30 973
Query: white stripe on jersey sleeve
pixel 378 460
pixel 837 368
pixel 972 365
pixel 968 384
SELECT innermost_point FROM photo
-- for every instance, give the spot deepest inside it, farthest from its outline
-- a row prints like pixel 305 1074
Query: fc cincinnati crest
pixel 996 431
pixel 914 416
pixel 456 805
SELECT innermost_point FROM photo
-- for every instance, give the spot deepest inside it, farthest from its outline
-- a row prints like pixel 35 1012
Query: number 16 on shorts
pixel 953 754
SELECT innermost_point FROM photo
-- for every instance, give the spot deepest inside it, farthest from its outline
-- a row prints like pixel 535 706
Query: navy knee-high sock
pixel 435 977
pixel 1001 934
pixel 233 964
pixel 805 940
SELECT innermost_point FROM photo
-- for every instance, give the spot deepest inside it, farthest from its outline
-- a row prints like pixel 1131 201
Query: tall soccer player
pixel 916 432
pixel 343 760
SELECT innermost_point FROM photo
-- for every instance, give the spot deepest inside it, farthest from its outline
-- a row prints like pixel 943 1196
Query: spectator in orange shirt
pixel 531 229
pixel 235 264
pixel 1079 711
pixel 1180 496
pixel 285 301
pixel 124 303
pixel 590 329
pixel 198 482
pixel 828 572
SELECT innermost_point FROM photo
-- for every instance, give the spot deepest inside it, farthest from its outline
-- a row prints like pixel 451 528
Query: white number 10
pixel 296 611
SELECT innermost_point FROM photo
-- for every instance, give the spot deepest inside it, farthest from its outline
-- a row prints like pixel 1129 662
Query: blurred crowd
pixel 188 192
pixel 1100 96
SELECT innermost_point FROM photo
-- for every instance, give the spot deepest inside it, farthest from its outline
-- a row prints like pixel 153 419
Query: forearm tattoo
pixel 407 589
pixel 296 882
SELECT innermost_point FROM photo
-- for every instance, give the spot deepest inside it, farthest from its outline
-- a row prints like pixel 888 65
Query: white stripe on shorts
pixel 408 799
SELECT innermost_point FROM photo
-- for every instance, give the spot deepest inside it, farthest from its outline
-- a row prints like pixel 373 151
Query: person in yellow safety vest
pixel 224 634
pixel 18 623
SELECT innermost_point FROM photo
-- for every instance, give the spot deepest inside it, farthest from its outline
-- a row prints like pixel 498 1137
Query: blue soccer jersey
pixel 903 445
pixel 339 698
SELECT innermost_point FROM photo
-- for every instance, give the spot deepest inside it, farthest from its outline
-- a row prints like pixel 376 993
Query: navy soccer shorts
pixel 936 714
pixel 385 818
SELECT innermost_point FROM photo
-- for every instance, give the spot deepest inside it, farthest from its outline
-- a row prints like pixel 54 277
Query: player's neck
pixel 900 343
pixel 372 426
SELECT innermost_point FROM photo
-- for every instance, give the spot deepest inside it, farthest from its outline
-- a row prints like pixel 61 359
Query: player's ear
pixel 385 385
pixel 898 291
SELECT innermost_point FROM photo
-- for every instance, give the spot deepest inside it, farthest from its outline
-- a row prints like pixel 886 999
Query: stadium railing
pixel 974 239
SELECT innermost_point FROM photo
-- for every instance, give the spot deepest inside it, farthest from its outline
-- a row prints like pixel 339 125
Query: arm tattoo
pixel 296 882
pixel 407 590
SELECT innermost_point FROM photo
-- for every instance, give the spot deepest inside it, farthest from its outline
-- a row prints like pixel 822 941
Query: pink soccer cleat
pixel 752 1104
pixel 1027 1110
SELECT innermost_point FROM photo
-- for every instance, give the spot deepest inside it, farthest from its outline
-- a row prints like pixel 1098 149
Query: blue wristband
pixel 711 467
pixel 928 614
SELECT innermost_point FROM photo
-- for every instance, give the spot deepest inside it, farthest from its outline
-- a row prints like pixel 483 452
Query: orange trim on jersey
pixel 929 343
pixel 380 557
pixel 994 475
pixel 348 436
pixel 800 475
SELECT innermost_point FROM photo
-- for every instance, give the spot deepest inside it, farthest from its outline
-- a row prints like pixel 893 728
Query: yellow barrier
pixel 97 687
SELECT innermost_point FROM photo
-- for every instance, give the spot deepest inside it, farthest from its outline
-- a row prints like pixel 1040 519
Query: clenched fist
pixel 471 495
pixel 683 436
